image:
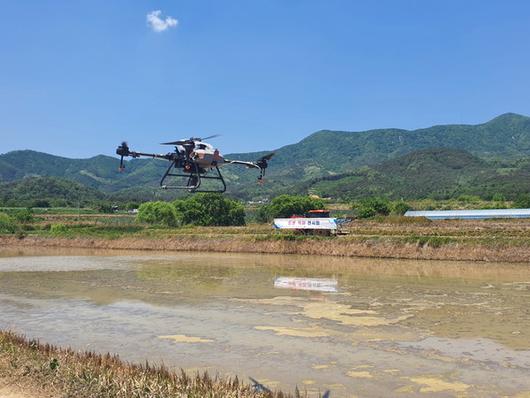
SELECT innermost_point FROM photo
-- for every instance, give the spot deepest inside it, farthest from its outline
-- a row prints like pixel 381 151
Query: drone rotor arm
pixel 134 155
pixel 167 156
pixel 261 164
pixel 124 151
pixel 243 163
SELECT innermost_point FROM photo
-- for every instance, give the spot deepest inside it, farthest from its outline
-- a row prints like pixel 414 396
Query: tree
pixel 498 197
pixel 400 207
pixel 7 224
pixel 371 207
pixel 210 209
pixel 262 214
pixel 287 206
pixel 523 201
pixel 41 203
pixel 162 213
pixel 132 205
pixel 104 207
pixel 24 215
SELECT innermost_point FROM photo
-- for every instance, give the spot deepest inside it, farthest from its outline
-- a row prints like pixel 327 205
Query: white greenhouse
pixel 469 214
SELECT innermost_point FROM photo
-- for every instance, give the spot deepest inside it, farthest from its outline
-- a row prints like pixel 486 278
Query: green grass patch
pixel 100 231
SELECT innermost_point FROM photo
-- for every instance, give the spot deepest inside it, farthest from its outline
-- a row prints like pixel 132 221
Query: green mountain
pixel 98 172
pixel 47 191
pixel 306 164
pixel 436 173
pixel 326 152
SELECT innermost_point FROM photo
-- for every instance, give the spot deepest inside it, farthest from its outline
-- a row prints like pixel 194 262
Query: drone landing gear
pixel 194 179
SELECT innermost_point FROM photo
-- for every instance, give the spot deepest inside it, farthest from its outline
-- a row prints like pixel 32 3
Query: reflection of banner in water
pixel 305 223
pixel 318 284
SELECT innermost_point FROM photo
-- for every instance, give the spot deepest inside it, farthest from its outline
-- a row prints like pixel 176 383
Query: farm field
pixel 388 237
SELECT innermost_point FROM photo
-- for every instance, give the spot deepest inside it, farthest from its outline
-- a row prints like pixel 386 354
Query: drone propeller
pixel 179 142
pixel 262 163
pixel 189 141
pixel 209 137
pixel 267 157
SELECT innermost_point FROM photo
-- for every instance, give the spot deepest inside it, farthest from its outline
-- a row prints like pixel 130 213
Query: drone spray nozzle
pixel 122 166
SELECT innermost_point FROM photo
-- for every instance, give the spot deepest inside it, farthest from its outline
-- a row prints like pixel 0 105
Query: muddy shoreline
pixel 377 248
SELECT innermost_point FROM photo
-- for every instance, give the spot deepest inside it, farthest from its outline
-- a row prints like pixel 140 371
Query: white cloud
pixel 156 22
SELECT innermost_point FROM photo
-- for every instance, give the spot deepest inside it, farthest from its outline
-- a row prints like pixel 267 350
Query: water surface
pixel 393 327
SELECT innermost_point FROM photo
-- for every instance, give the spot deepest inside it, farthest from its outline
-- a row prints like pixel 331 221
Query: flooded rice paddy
pixel 383 328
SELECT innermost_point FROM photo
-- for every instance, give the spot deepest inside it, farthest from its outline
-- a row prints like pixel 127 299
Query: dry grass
pixel 393 237
pixel 48 370
pixel 412 247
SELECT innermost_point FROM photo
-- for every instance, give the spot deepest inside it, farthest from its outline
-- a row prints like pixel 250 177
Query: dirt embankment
pixel 376 248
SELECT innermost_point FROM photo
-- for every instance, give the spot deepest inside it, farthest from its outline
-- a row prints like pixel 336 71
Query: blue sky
pixel 77 77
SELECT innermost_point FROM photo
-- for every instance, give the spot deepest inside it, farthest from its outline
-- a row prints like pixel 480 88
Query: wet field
pixel 391 328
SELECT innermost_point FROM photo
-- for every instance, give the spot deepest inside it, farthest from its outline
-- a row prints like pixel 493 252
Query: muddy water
pixel 392 328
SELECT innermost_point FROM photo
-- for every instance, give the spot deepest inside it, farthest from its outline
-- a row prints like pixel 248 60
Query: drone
pixel 193 161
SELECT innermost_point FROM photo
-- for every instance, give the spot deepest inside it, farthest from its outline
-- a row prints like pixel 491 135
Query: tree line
pixel 206 209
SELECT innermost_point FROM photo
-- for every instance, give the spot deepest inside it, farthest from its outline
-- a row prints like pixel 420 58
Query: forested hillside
pixel 435 173
pixel 437 161
pixel 46 192
pixel 326 152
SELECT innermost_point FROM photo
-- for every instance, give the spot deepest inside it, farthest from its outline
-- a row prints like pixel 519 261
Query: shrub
pixel 162 213
pixel 498 197
pixel 371 207
pixel 24 215
pixel 7 224
pixel 469 199
pixel 523 201
pixel 262 214
pixel 210 209
pixel 106 208
pixel 132 205
pixel 288 205
pixel 400 207
pixel 58 229
pixel 41 203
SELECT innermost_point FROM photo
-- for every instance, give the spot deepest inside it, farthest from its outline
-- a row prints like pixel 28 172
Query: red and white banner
pixel 305 223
